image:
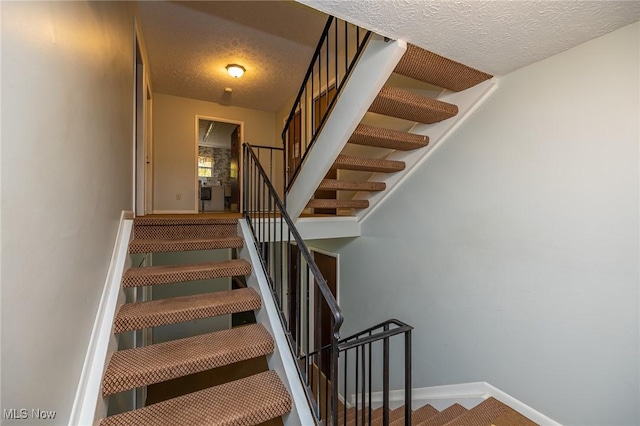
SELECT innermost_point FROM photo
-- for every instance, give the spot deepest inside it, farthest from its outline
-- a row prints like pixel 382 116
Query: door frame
pixel 240 157
pixel 142 193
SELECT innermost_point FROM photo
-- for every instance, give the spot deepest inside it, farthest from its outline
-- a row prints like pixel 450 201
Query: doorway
pixel 143 174
pixel 218 154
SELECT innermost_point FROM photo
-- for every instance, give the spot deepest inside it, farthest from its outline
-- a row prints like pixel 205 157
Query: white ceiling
pixel 220 135
pixel 190 43
pixel 494 36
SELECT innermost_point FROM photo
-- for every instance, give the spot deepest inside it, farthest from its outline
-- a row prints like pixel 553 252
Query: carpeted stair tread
pixel 165 274
pixel 133 316
pixel 182 220
pixel 349 162
pixel 420 415
pixel 338 204
pixel 174 232
pixel 342 185
pixel 511 417
pixel 480 415
pixel 375 414
pixel 394 415
pixel 420 64
pixel 386 138
pixel 244 402
pixel 184 244
pixel 132 368
pixel 444 416
pixel 410 106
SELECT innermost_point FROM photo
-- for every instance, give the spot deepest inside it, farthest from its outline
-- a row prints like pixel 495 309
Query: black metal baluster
pixel 364 387
pixel 407 378
pixel 385 379
pixel 370 376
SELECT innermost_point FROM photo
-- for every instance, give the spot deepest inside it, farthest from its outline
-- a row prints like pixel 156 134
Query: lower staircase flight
pixel 251 400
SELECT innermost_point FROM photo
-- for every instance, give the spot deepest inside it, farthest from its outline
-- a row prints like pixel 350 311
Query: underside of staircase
pixel 251 400
pixel 490 412
pixel 374 140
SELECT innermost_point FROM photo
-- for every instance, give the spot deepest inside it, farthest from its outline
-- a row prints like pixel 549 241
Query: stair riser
pixel 137 281
pixel 184 231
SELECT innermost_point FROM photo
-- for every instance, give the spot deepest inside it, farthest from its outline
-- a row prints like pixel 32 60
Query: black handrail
pixel 307 104
pixel 292 288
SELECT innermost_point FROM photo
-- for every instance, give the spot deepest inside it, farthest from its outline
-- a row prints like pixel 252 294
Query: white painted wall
pixel 514 249
pixel 174 144
pixel 67 128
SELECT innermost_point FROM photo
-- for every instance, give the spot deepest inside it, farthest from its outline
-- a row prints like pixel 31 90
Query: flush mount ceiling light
pixel 235 70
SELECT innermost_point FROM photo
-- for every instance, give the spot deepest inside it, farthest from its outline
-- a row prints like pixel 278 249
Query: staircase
pixel 251 400
pixel 369 146
pixel 490 412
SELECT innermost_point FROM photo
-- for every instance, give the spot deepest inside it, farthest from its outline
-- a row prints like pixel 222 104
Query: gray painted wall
pixel 67 128
pixel 514 249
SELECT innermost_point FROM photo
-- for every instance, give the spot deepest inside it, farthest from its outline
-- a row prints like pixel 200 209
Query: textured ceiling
pixel 190 43
pixel 494 36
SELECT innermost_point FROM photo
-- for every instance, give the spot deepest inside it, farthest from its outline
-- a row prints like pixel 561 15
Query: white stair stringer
pixel 467 101
pixel 376 64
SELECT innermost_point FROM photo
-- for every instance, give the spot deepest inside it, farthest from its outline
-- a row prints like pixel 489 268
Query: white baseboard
pixel 475 391
pixel 281 360
pixel 86 401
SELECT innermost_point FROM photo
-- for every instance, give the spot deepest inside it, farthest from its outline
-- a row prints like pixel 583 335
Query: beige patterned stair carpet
pixel 134 316
pixel 444 416
pixel 350 162
pixel 380 137
pixel 183 244
pixel 142 366
pixel 340 204
pixel 423 65
pixel 420 415
pixel 412 107
pixel 341 185
pixel 166 274
pixel 244 402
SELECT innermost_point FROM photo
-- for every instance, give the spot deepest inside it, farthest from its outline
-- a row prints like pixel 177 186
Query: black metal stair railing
pixel 361 371
pixel 310 314
pixel 339 49
pixel 298 288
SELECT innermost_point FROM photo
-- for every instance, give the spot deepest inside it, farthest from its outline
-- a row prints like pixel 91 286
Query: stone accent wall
pixel 221 165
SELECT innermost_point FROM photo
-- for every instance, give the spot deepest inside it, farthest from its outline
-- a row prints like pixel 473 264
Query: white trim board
pixel 318 228
pixel 86 405
pixel 461 392
pixel 468 101
pixel 281 360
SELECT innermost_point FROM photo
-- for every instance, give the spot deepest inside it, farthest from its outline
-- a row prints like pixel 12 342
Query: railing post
pixel 385 379
pixel 407 378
